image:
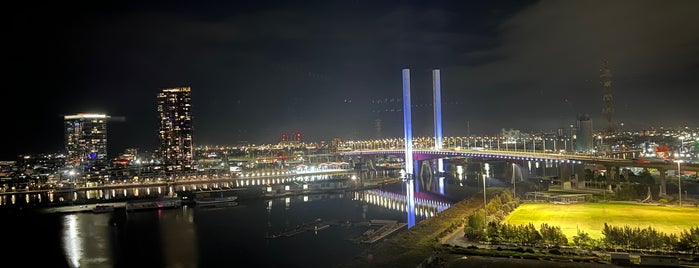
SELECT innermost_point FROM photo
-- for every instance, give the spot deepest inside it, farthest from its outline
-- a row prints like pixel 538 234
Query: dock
pixel 386 227
pixel 82 208
pixel 316 225
pixel 379 229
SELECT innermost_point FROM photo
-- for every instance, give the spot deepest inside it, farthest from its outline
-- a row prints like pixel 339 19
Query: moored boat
pixel 153 204
pixel 103 208
pixel 215 200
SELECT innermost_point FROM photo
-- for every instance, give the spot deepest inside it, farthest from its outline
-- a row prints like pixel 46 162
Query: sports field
pixel 590 217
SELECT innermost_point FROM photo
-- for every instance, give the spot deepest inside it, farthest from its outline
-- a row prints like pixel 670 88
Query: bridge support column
pixel 425 174
pixel 544 164
pixel 663 186
pixel 565 171
pixel 579 175
pixel 612 173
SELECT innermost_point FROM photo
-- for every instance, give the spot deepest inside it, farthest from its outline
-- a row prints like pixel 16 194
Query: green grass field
pixel 590 217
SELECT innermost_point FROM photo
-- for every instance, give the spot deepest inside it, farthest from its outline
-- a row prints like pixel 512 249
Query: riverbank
pixel 187 197
pixel 409 248
pixel 433 243
pixel 440 242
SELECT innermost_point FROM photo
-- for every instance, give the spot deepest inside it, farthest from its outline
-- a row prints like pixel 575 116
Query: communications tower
pixel 608 109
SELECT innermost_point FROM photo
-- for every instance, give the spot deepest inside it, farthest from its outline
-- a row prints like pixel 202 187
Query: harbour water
pixel 230 236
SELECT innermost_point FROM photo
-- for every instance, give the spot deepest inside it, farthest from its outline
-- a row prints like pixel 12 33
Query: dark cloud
pixel 554 50
pixel 262 68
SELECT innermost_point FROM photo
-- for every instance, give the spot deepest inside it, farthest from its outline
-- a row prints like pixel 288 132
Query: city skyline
pixel 258 70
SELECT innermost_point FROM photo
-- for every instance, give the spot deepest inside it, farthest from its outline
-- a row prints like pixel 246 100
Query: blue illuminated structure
pixel 407 124
pixel 408 129
pixel 410 202
pixel 437 95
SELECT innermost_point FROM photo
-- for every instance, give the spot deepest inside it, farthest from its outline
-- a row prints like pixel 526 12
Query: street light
pixel 485 207
pixel 679 179
pixel 514 182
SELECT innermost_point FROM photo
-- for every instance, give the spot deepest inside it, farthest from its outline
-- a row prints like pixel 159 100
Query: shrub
pixel 474 234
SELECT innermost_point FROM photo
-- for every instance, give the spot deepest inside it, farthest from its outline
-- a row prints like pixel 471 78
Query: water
pixel 220 237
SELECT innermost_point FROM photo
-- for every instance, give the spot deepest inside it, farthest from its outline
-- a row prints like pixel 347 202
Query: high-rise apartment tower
pixel 175 131
pixel 85 140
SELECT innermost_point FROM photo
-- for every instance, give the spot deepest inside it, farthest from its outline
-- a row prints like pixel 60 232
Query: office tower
pixel 584 136
pixel 86 140
pixel 175 132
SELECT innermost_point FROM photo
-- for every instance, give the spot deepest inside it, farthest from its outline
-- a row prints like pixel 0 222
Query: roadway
pixel 423 154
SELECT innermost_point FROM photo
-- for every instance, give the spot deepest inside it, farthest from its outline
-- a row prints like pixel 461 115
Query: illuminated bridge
pixel 414 150
pixel 424 206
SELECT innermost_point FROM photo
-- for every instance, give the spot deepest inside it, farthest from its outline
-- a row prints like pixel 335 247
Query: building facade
pixel 175 131
pixel 584 137
pixel 86 140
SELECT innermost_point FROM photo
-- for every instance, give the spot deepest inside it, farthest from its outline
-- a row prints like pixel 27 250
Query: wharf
pixel 82 208
pixel 382 232
pixel 316 225
pixel 386 228
pixel 379 229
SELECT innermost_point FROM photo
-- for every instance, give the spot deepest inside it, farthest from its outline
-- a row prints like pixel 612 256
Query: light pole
pixel 485 207
pixel 543 145
pixel 679 179
pixel 514 182
pixel 681 147
pixel 524 144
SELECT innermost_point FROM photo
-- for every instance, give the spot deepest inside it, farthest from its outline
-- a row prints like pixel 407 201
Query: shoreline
pixel 426 245
pixel 243 193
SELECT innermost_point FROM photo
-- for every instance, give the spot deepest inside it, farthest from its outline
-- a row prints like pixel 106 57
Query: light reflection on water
pixel 217 237
pixel 72 243
pixel 148 191
pixel 86 240
pixel 201 237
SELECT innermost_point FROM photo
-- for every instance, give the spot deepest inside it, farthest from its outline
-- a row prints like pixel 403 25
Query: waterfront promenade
pixel 179 182
pixel 81 204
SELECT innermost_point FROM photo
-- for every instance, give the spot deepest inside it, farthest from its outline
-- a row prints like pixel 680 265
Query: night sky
pixel 328 69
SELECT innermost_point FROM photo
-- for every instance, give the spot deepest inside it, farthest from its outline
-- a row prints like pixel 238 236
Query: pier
pixel 316 225
pixel 378 229
pixel 385 228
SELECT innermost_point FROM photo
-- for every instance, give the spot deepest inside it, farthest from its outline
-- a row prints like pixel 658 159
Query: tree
pixel 583 240
pixel 474 234
pixel 552 235
pixel 494 205
pixel 689 240
pixel 477 220
pixel 492 232
pixel 532 235
pixel 506 196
